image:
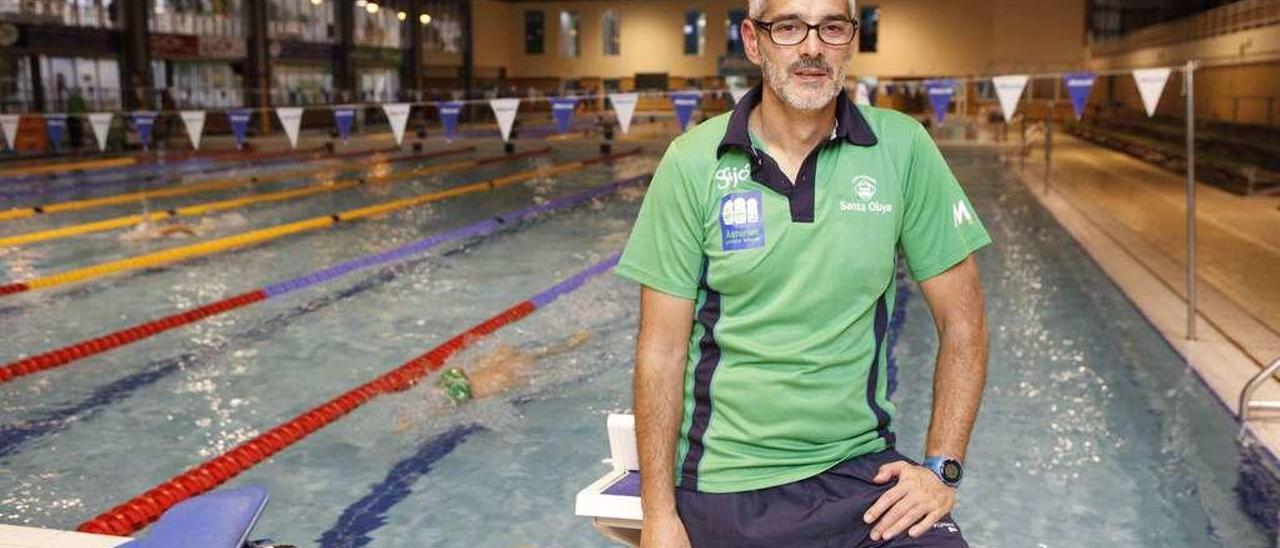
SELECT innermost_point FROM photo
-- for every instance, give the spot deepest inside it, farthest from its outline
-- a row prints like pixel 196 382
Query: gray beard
pixel 801 98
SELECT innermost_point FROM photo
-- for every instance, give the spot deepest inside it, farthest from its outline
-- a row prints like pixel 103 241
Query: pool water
pixel 1092 431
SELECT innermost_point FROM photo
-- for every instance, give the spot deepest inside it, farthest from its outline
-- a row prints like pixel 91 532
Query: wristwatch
pixel 947 469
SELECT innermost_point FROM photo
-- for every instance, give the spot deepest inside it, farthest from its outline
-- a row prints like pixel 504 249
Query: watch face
pixel 951 471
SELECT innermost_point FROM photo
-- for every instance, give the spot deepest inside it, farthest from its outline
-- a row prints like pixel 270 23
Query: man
pixel 766 248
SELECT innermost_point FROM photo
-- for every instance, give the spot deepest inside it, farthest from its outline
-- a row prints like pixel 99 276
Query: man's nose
pixel 811 45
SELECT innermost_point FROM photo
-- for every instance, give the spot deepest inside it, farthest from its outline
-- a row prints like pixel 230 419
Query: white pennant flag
pixel 1009 90
pixel 9 126
pixel 1151 85
pixel 398 115
pixel 860 95
pixel 624 105
pixel 291 120
pixel 194 120
pixel 737 94
pixel 505 111
pixel 101 123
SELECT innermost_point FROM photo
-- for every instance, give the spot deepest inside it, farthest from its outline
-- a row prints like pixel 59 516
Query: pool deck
pixel 13 536
pixel 1129 216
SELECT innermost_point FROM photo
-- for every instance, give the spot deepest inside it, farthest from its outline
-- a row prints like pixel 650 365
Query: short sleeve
pixel 940 227
pixel 664 251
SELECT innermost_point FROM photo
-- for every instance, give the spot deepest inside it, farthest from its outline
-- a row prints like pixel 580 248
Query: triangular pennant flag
pixel 9 126
pixel 239 118
pixel 398 116
pixel 684 103
pixel 869 85
pixel 449 111
pixel 737 93
pixel 1079 86
pixel 194 122
pixel 144 120
pixel 343 117
pixel 505 111
pixel 1009 90
pixel 940 93
pixel 624 105
pixel 1151 86
pixel 562 109
pixel 290 120
pixel 860 95
pixel 55 124
pixel 101 124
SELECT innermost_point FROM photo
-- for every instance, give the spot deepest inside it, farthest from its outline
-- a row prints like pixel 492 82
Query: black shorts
pixel 822 511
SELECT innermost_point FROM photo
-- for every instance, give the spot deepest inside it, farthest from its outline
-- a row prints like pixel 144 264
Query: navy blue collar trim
pixel 851 126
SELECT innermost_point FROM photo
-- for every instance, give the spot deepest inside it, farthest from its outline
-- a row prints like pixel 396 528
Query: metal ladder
pixel 1247 403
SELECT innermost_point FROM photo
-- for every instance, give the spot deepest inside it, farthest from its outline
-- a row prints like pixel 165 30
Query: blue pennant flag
pixel 684 102
pixel 55 125
pixel 239 124
pixel 1079 86
pixel 562 108
pixel 449 111
pixel 144 120
pixel 343 117
pixel 940 93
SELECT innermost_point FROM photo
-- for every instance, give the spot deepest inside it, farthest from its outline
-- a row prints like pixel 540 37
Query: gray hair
pixel 755 8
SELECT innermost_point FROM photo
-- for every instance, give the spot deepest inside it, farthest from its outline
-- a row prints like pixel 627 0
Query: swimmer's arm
pixel 661 347
pixel 955 298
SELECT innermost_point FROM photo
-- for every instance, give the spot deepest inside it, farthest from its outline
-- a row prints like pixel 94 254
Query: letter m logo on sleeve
pixel 960 213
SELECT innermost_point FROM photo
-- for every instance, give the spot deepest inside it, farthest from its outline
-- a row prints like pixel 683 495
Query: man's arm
pixel 661 348
pixel 955 298
pixel 919 499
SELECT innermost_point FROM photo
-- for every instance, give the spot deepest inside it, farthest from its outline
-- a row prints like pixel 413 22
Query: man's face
pixel 808 75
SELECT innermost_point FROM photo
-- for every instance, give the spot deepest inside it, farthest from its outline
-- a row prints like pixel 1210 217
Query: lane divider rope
pixel 172 162
pixel 195 210
pixel 43 168
pixel 209 186
pixel 64 355
pixel 84 349
pixel 181 253
pixel 127 518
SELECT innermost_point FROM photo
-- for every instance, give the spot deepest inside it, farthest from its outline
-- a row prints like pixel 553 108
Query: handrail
pixel 1246 395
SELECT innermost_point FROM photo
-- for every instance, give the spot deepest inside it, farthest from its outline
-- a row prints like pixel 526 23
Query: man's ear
pixel 750 40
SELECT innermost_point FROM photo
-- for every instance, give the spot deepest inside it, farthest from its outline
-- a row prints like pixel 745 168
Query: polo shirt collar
pixel 850 125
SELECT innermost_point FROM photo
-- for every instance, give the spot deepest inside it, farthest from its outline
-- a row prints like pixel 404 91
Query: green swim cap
pixel 455 384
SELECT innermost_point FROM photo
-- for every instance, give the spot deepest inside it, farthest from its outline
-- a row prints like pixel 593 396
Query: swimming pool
pixel 1092 430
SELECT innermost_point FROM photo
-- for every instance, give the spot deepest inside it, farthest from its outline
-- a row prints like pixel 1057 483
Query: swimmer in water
pixel 500 370
pixel 493 373
pixel 148 230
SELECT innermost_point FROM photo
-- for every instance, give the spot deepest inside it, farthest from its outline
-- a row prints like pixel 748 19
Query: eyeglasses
pixel 790 32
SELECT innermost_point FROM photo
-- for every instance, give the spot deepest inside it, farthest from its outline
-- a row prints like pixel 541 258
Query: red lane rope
pixel 136 513
pixel 67 354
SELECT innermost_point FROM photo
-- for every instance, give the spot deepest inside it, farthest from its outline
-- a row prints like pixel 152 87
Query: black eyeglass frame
pixel 767 27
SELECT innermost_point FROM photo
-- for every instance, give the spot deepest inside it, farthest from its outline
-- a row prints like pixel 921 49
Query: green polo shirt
pixel 793 286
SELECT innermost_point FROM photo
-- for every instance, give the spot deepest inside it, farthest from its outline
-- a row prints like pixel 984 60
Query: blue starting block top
pixel 221 519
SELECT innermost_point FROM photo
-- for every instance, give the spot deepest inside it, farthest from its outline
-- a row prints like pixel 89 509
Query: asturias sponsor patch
pixel 741 221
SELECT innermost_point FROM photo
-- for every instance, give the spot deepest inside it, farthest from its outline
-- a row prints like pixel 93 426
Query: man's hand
pixel 917 501
pixel 664 531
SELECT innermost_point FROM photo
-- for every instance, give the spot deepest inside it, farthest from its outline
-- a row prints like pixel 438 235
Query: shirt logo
pixel 864 189
pixel 730 177
pixel 960 213
pixel 741 222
